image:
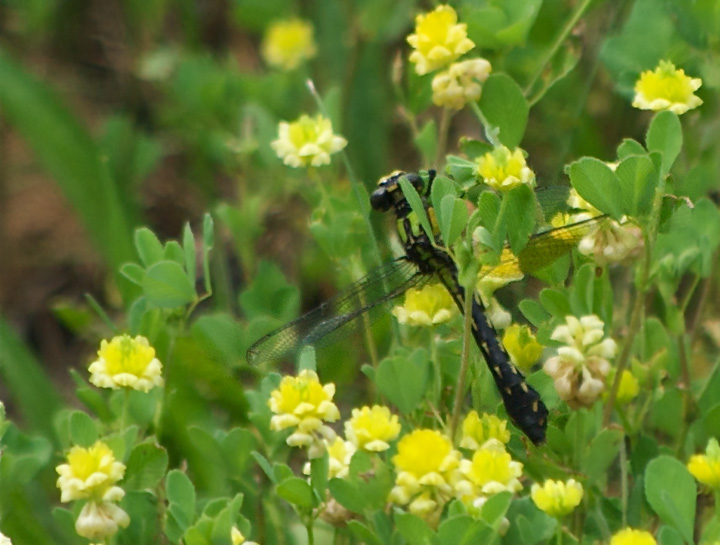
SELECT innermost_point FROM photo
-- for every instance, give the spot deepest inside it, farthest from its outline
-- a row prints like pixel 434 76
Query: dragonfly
pixel 425 261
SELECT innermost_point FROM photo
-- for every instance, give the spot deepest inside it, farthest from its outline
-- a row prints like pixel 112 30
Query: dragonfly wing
pixel 543 249
pixel 319 326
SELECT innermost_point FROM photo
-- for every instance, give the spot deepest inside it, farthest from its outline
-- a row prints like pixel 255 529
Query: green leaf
pixel 188 246
pixel 403 379
pixel 597 184
pixel 638 180
pixel 463 172
pixel 505 108
pixel 413 528
pixel 452 218
pixel 671 492
pixel 83 429
pixel 630 147
pixel 363 533
pixel 346 492
pixel 167 286
pixel 555 302
pixel 181 499
pixel 319 474
pixel 519 216
pixel 174 252
pixel 148 246
pixel 426 141
pixel 146 467
pixel 264 464
pixel 601 453
pixel 416 203
pixel 133 272
pixel 296 491
pixel 665 135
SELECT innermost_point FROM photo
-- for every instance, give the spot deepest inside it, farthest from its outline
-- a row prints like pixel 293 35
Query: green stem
pixel 443 132
pixel 125 409
pixel 561 37
pixel 624 492
pixel 309 528
pixel 558 534
pixel 464 362
pixel 717 505
pixel 490 131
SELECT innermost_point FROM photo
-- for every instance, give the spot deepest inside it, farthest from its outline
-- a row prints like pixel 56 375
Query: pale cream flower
pixel 126 362
pixel 438 40
pixel 340 455
pixel 460 84
pixel 100 520
pixel 309 141
pixel 581 367
pixel 667 88
pixel 90 473
pixel 4 540
pixel 288 43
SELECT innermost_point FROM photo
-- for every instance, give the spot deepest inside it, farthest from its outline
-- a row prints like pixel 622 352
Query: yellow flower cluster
pixel 667 88
pixel 438 40
pixel 491 471
pixel 581 367
pixel 477 430
pixel 522 346
pixel 303 403
pixel 706 467
pixel 629 536
pixel 288 43
pixel 91 473
pixel 427 306
pixel 126 362
pixel 372 428
pixel 503 169
pixel 309 141
pixel 557 498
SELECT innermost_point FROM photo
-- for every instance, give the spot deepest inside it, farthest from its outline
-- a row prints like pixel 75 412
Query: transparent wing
pixel 334 318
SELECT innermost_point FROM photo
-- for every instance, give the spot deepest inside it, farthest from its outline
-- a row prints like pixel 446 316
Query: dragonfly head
pixel 389 194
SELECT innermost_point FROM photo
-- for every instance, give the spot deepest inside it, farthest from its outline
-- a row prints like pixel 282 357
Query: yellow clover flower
pixel 504 169
pixel 425 463
pixel 371 428
pixel 340 455
pixel 438 40
pixel 522 346
pixel 126 362
pixel 100 520
pixel 557 498
pixel 581 367
pixel 288 43
pixel 90 473
pixel 492 470
pixel 302 402
pixel 429 305
pixel 667 88
pixel 237 538
pixel 629 536
pixel 477 431
pixel 460 84
pixel 309 141
pixel 706 467
pixel 629 388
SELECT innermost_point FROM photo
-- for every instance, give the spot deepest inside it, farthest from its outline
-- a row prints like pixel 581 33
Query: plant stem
pixel 464 363
pixel 443 136
pixel 490 131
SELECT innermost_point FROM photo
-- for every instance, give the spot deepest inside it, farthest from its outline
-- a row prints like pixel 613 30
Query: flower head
pixel 425 463
pixel 557 498
pixel 477 430
pixel 302 402
pixel 371 428
pixel 581 367
pixel 340 455
pixel 125 362
pixel 610 241
pixel 667 88
pixel 629 388
pixel 492 470
pixel 90 473
pixel 629 536
pixel 522 346
pixel 288 43
pixel 438 40
pixel 100 520
pixel 504 169
pixel 706 467
pixel 460 84
pixel 237 538
pixel 309 141
pixel 429 305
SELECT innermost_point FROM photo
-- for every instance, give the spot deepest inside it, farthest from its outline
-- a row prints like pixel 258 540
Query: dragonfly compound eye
pixel 381 199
